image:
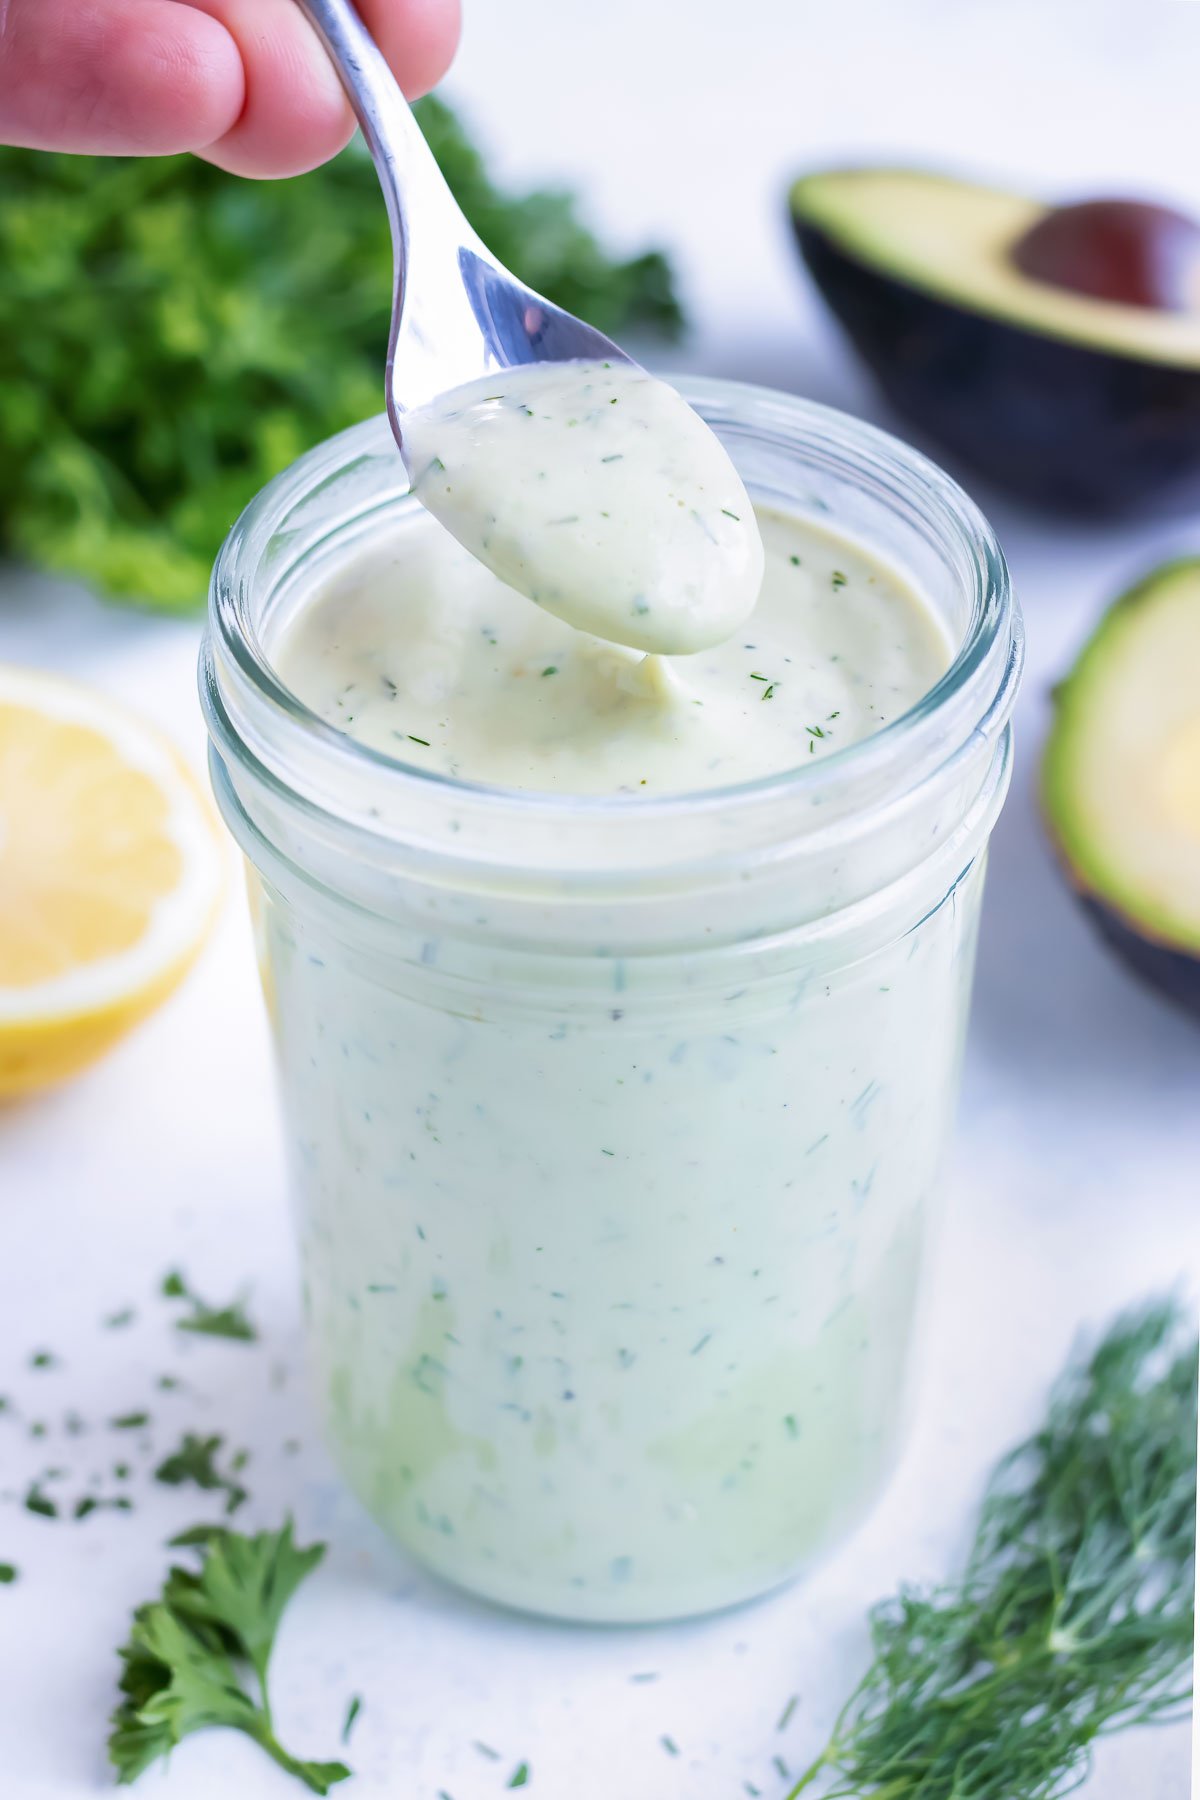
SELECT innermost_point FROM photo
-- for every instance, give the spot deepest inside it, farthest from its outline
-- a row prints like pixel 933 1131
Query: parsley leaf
pixel 189 1653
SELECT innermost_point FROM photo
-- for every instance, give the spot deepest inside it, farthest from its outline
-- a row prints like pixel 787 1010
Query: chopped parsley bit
pixel 731 515
pixel 612 402
pixel 833 715
pixel 520 1776
pixel 210 1321
pixel 669 1745
pixel 167 1382
pixel 839 580
pixel 698 1347
pixel 769 691
pixel 8 1573
pixel 43 1359
pixel 37 1501
pixel 781 1768
pixel 352 1712
pixel 131 1421
pixel 485 1750
pixel 617 456
pixel 785 1717
pixel 91 1503
pixel 115 1320
pixel 795 561
pixel 417 740
pixel 551 670
pixel 754 677
pixel 814 731
pixel 196 1461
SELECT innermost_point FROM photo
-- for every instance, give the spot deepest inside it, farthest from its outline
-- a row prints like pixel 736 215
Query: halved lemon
pixel 110 875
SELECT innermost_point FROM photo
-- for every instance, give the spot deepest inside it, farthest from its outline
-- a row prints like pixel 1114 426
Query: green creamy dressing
pixel 418 650
pixel 611 1264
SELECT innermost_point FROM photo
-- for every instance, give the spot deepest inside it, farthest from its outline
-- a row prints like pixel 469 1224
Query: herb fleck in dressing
pixel 419 651
pixel 595 490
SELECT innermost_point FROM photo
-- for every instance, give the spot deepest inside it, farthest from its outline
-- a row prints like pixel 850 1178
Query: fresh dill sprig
pixel 1075 1614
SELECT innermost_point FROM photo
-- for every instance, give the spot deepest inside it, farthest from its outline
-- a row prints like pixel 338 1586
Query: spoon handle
pixel 402 158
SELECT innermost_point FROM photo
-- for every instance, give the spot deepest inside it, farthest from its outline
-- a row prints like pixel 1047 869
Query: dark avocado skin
pixel 1071 428
pixel 1173 972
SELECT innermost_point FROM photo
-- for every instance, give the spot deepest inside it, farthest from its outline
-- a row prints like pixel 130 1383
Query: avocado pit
pixel 1127 251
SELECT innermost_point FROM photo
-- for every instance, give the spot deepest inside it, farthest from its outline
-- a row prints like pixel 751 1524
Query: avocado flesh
pixel 952 239
pixel 1121 776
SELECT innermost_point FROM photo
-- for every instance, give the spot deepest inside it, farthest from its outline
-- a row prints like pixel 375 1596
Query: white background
pixel 1075 1179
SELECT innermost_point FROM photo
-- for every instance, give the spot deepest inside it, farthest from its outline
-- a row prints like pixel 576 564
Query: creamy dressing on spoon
pixel 596 491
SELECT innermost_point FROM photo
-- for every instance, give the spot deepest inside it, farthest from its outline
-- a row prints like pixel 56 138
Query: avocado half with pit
pixel 1055 350
pixel 1121 778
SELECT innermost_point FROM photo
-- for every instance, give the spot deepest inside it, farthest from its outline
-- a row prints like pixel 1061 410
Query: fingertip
pixel 190 79
pixel 418 38
pixel 295 113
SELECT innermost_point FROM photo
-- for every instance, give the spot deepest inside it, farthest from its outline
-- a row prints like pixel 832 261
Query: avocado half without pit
pixel 1121 778
pixel 1056 350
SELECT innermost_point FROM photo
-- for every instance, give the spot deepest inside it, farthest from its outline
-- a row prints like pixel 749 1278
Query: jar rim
pixel 977 688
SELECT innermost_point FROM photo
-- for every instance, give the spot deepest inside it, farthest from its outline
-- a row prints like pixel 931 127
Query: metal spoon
pixel 457 312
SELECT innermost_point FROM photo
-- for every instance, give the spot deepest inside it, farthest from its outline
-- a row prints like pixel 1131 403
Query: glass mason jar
pixel 615 1124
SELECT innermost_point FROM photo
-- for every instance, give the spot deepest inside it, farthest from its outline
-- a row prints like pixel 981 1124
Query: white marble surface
pixel 1074 1181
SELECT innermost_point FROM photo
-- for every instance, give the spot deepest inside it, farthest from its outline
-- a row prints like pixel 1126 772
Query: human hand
pixel 243 83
